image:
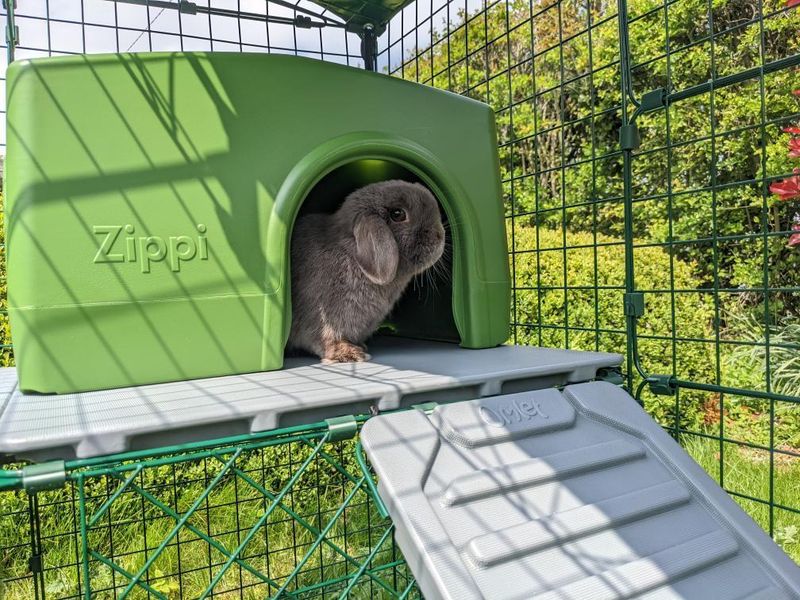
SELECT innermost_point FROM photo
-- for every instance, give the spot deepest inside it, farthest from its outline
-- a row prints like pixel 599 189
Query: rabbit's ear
pixel 376 249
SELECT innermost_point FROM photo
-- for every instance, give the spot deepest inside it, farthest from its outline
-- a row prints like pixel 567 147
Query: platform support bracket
pixel 44 476
pixel 662 385
pixel 342 428
pixel 634 304
pixel 614 376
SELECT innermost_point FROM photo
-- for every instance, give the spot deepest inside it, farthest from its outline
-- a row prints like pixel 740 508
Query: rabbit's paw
pixel 344 352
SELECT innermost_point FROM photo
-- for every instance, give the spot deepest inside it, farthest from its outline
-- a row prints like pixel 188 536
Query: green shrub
pixel 573 298
pixel 558 157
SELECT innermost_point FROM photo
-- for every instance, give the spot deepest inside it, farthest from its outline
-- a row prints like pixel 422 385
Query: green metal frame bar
pixel 660 99
pixel 362 463
pixel 11 479
pixel 186 7
pixel 12 33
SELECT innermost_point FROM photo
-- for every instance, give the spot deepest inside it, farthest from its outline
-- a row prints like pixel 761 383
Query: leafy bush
pixel 709 203
pixel 573 298
pixel 560 143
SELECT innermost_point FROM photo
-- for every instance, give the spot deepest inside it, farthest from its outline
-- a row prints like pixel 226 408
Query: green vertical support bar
pixel 562 118
pixel 715 254
pixel 596 264
pixel 670 200
pixel 765 268
pixel 510 99
pixel 12 37
pixel 87 593
pixel 629 140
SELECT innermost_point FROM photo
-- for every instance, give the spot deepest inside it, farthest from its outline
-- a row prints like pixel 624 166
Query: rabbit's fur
pixel 349 268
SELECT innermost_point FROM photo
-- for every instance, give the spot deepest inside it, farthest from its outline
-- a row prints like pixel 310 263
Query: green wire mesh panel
pixel 683 249
pixel 709 189
pixel 556 91
pixel 286 516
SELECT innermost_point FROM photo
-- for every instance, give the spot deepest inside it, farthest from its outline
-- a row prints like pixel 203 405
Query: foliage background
pixel 721 282
pixel 726 279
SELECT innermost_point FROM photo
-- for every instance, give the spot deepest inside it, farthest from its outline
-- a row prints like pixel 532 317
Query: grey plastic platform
pixel 564 496
pixel 401 373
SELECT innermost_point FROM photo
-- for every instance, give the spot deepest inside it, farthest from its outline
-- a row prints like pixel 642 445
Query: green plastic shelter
pixel 151 199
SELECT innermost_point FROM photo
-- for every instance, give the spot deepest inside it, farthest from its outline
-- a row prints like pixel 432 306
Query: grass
pixel 746 472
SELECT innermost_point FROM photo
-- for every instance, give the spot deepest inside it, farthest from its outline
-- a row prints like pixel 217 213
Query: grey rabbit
pixel 349 268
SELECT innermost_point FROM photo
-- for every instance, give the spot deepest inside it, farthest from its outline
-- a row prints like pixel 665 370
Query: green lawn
pixel 747 472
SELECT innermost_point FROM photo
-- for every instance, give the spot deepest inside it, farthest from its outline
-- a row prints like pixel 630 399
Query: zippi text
pixel 149 249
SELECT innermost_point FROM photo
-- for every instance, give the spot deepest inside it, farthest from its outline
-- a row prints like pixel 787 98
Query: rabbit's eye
pixel 398 215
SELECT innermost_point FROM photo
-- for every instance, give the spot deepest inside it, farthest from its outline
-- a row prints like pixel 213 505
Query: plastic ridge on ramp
pixel 401 373
pixel 564 495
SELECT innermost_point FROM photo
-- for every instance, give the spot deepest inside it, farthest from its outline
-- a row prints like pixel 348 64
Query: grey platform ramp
pixel 573 495
pixel 401 373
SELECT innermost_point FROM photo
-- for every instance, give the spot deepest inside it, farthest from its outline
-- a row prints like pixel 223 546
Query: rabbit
pixel 349 268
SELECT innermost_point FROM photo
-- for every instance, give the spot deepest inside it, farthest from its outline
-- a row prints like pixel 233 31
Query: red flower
pixel 791 3
pixel 793 129
pixel 794 239
pixel 796 92
pixel 787 189
pixel 794 147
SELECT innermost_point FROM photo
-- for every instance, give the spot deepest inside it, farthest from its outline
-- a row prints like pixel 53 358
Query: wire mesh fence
pixel 690 223
pixel 677 243
pixel 277 515
pixel 51 28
